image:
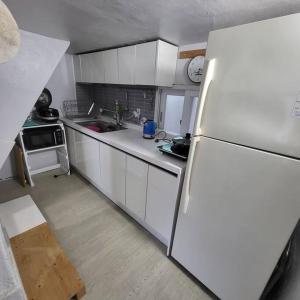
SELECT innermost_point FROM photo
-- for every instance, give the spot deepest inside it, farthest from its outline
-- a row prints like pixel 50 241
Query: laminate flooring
pixel 115 256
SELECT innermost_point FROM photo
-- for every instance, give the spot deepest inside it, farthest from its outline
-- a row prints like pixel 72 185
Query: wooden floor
pixel 116 258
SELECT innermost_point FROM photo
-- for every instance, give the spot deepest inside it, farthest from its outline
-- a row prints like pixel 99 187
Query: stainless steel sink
pixel 82 119
pixel 101 126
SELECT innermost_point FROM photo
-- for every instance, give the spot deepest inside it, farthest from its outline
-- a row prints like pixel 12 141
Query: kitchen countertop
pixel 132 142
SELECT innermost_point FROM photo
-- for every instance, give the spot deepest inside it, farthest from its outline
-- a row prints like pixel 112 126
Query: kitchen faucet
pixel 117 113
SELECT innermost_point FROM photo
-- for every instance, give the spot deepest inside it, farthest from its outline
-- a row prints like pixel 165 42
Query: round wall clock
pixel 195 69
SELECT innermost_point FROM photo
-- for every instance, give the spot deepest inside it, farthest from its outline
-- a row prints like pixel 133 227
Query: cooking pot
pixel 181 145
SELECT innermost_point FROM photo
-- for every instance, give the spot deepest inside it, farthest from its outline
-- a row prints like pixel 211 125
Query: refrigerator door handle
pixel 206 85
pixel 187 179
pixel 197 131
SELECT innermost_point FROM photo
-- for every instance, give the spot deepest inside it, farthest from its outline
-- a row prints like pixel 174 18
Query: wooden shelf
pixel 192 53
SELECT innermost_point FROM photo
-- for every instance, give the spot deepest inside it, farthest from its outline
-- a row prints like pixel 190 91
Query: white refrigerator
pixel 241 194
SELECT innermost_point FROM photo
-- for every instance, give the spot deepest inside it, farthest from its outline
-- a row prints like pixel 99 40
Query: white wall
pixel 9 168
pixel 181 76
pixel 62 87
pixel 21 81
pixel 62 82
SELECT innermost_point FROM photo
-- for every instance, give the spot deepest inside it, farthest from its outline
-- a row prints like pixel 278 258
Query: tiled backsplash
pixel 129 97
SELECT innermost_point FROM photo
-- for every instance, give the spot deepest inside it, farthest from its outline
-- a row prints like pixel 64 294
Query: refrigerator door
pixel 243 207
pixel 254 96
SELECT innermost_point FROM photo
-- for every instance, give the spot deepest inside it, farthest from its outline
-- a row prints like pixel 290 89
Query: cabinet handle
pixel 196 136
pixel 210 67
pixel 187 178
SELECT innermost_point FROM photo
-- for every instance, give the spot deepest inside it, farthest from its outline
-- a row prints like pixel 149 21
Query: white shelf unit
pixel 45 149
pixel 61 153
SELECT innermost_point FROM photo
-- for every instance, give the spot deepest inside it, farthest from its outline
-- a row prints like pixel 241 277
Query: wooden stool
pixel 45 270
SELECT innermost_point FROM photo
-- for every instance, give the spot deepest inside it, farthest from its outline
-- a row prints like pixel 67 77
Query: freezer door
pixel 243 207
pixel 254 96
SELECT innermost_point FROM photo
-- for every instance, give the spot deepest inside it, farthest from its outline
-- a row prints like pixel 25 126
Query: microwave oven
pixel 43 137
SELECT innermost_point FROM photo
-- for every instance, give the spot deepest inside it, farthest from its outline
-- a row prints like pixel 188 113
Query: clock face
pixel 195 68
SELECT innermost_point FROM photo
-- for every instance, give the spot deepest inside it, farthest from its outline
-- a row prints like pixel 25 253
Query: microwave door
pixel 38 139
pixel 44 139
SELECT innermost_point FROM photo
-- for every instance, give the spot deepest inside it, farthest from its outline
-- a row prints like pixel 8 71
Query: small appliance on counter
pixel 149 129
pixel 178 147
pixel 43 111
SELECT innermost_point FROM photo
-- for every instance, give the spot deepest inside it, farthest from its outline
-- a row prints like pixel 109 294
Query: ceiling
pixel 97 24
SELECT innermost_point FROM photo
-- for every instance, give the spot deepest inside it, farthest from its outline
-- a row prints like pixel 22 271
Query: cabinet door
pixel 165 64
pixel 136 186
pixel 162 193
pixel 145 68
pixel 71 145
pixel 126 64
pixel 77 68
pixel 112 173
pixel 92 67
pixel 87 157
pixel 110 58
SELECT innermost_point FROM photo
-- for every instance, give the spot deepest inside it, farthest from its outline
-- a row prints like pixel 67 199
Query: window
pixel 178 111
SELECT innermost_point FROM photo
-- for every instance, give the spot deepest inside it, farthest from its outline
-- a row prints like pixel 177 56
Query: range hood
pixel 22 80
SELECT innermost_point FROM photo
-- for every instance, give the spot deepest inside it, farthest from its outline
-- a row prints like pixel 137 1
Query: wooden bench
pixel 45 270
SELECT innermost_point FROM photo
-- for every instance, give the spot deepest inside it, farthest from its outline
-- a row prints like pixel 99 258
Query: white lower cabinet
pixel 136 186
pixel 112 173
pixel 87 157
pixel 162 194
pixel 71 145
pixel 148 192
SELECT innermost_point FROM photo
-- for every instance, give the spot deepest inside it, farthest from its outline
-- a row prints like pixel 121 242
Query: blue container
pixel 149 129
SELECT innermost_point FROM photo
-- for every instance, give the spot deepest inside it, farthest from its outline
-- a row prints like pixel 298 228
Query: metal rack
pixel 61 151
pixel 76 109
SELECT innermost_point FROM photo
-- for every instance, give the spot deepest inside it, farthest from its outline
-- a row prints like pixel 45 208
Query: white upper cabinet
pixel 77 68
pixel 126 64
pixel 92 67
pixel 112 173
pixel 145 68
pixel 166 60
pixel 86 68
pixel 152 63
pixel 110 58
pixel 155 63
